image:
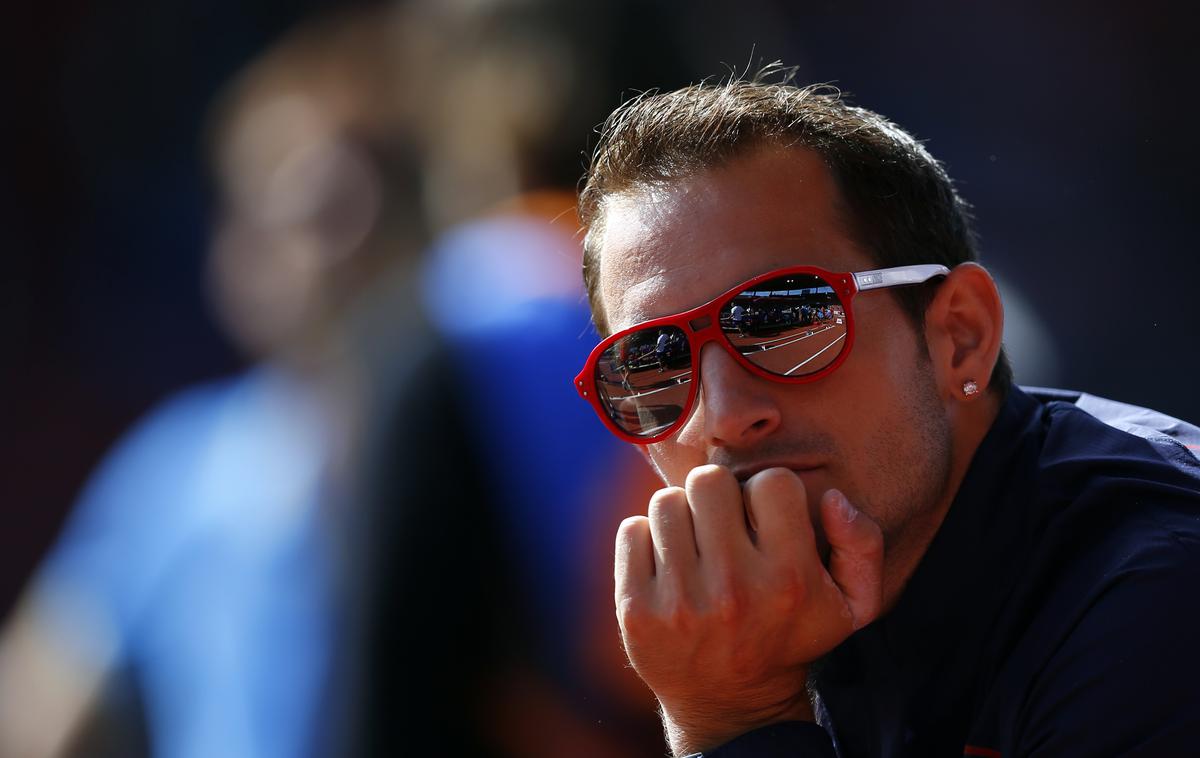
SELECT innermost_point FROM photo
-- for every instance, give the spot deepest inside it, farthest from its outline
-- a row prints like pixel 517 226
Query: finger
pixel 718 513
pixel 633 568
pixel 778 504
pixel 855 557
pixel 672 533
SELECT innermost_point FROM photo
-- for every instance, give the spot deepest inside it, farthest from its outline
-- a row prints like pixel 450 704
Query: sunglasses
pixel 793 325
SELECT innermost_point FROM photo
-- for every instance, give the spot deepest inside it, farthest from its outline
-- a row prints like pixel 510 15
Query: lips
pixel 742 473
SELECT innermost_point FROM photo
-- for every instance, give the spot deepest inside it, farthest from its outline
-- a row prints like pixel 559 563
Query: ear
pixel 964 326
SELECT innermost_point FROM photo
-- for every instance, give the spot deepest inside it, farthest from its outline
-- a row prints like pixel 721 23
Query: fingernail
pixel 849 512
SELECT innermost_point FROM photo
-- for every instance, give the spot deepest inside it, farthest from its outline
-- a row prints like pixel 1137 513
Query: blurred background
pixel 321 210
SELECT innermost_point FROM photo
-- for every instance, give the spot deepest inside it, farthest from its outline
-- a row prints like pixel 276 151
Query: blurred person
pixel 213 554
pixel 517 83
pixel 870 542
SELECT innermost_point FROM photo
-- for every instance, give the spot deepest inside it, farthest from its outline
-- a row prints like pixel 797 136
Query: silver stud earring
pixel 970 388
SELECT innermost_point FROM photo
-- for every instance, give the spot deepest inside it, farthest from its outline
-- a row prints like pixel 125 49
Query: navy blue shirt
pixel 1055 613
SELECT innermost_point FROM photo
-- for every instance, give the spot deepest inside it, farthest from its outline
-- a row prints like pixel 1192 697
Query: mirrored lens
pixel 791 326
pixel 644 378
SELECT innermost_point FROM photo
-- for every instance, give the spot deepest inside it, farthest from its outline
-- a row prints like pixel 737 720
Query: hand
pixel 723 600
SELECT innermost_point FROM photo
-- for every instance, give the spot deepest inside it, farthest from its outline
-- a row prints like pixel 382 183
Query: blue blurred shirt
pixel 198 558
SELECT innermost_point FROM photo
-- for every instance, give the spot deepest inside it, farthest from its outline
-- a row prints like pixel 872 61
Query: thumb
pixel 856 556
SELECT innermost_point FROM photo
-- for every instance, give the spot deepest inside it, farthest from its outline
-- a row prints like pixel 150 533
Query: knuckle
pixel 787 587
pixel 707 475
pixel 630 535
pixel 636 618
pixel 874 538
pixel 775 483
pixel 865 546
pixel 680 617
pixel 630 526
pixel 630 609
pixel 642 619
pixel 667 500
pixel 729 599
pixel 873 551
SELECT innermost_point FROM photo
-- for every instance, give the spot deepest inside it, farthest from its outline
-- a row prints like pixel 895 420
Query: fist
pixel 723 600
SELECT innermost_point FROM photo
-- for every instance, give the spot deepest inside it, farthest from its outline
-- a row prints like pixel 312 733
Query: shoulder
pixel 1086 422
pixel 1098 656
pixel 1094 452
pixel 1101 656
pixel 1123 676
pixel 158 444
pixel 132 512
pixel 1115 506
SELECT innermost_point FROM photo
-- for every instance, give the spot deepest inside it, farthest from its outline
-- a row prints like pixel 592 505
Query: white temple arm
pixel 893 277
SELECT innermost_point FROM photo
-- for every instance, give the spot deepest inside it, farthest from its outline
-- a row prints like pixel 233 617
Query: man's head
pixel 894 199
pixel 693 192
pixel 315 163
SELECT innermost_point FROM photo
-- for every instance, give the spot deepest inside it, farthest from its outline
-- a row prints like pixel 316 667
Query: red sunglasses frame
pixel 702 325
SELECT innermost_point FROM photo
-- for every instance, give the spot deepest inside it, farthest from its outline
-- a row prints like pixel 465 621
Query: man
pixel 660 350
pixel 738 314
pixel 866 525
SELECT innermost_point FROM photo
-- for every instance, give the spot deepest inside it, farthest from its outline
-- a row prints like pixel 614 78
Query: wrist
pixel 690 731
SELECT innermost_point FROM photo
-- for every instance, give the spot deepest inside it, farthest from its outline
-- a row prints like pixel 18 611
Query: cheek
pixel 869 399
pixel 905 450
pixel 886 337
pixel 674 458
pixel 881 366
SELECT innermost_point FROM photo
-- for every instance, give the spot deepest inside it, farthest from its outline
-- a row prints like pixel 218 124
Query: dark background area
pixel 1068 126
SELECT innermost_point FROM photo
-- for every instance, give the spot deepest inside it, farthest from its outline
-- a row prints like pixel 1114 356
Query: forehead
pixel 667 249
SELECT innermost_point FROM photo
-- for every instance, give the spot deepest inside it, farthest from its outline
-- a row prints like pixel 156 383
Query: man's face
pixel 875 428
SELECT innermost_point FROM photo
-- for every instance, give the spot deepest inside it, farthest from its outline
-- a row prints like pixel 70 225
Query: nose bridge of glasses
pixel 704 329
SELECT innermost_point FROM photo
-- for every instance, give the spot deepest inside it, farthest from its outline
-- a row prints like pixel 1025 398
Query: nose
pixel 735 408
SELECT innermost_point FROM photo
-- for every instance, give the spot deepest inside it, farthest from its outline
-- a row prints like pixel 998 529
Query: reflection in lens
pixel 792 325
pixel 644 379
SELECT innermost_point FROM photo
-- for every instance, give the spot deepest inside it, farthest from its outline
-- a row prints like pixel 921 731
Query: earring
pixel 970 388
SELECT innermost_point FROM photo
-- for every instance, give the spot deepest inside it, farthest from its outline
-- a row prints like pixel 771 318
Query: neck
pixel 969 424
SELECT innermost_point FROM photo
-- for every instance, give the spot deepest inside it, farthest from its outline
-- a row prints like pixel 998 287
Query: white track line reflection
pixel 683 378
pixel 841 337
pixel 785 337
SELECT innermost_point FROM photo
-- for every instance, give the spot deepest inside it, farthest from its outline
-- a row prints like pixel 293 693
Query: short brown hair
pixel 900 205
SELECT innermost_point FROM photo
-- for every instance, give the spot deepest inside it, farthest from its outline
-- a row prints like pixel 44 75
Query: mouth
pixel 743 473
